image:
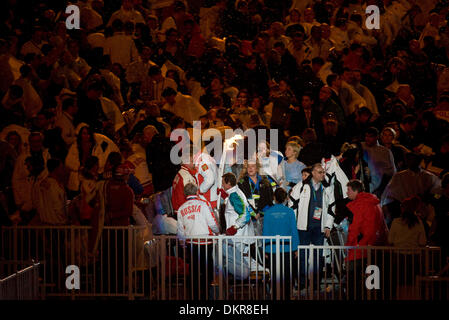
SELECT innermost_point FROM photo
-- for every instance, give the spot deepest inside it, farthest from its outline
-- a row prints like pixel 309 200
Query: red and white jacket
pixel 207 177
pixel 184 176
pixel 196 219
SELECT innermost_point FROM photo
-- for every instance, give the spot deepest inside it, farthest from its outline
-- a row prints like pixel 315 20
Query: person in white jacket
pixel 196 219
pixel 364 92
pixel 272 164
pixel 241 258
pixel 112 112
pixel 65 121
pixel 22 183
pixel 127 13
pixel 350 100
pixel 238 212
pixel 335 173
pixel 137 162
pixel 99 146
pixel 358 34
pixel 207 176
pixel 339 35
pixel 182 105
pixel 51 202
pixel 302 192
pixel 310 200
pixel 31 101
pixel 120 47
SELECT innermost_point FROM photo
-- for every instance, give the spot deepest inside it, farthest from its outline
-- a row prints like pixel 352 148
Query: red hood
pixel 363 198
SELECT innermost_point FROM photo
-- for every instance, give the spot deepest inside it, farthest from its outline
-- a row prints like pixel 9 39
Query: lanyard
pixel 256 185
pixel 314 191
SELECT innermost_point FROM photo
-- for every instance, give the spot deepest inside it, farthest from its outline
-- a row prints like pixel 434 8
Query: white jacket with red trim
pixel 196 219
pixel 140 167
pixel 207 173
pixel 184 176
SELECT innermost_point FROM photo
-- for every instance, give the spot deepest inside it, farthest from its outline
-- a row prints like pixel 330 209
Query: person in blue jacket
pixel 280 220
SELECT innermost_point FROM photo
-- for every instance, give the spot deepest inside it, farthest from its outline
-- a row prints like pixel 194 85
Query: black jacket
pixel 159 163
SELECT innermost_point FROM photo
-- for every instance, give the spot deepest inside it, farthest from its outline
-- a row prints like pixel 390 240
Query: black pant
pixel 356 289
pixel 389 264
pixel 284 274
pixel 201 269
pixel 316 237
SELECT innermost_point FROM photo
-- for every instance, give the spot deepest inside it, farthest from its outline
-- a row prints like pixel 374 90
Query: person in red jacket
pixel 117 202
pixel 368 228
pixel 184 176
pixel 193 40
pixel 119 198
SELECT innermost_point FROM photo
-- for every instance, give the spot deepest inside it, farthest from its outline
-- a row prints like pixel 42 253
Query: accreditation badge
pixel 317 213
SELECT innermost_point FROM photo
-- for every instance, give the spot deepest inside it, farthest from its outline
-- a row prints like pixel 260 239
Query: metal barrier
pixel 128 264
pixel 364 273
pixel 313 273
pixel 112 270
pixel 435 287
pixel 20 284
pixel 217 267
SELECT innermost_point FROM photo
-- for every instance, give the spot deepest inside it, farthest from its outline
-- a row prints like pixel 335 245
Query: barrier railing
pixel 313 273
pixel 127 264
pixel 364 273
pixel 109 270
pixel 217 267
pixel 18 283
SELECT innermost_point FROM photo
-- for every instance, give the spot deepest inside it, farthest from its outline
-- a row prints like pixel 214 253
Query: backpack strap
pixel 329 209
pixel 295 202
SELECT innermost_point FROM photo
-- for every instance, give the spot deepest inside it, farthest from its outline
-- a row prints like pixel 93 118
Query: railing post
pixel 72 253
pixel 426 252
pixel 35 281
pixel 72 244
pixel 309 268
pixel 15 244
pixel 363 276
pixel 131 248
pixel 16 281
pixel 163 256
pixel 278 267
pixel 220 268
